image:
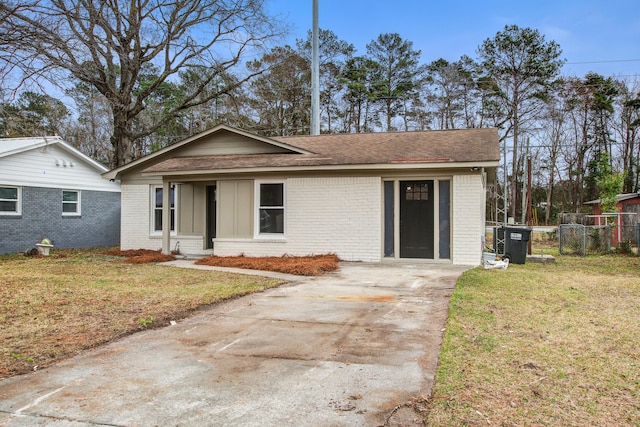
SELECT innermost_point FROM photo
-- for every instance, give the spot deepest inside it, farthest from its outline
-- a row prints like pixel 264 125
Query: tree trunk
pixel 121 139
pixel 514 163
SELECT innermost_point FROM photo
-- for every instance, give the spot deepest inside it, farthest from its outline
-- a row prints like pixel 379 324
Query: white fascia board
pixel 27 144
pixel 382 166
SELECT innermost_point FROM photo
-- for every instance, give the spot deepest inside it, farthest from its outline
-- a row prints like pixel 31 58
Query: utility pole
pixel 525 194
pixel 315 74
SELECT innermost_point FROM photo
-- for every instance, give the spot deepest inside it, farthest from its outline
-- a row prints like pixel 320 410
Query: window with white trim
pixel 70 203
pixel 270 203
pixel 156 208
pixel 10 203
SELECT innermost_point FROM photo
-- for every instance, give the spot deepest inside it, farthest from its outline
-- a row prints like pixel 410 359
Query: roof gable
pixel 221 140
pixel 12 146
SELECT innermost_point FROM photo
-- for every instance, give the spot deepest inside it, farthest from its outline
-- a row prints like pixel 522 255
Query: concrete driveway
pixel 352 348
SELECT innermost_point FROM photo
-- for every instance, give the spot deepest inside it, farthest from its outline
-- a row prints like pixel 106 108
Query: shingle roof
pixel 442 147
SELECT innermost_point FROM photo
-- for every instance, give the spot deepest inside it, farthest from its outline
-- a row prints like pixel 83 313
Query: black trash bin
pixel 516 244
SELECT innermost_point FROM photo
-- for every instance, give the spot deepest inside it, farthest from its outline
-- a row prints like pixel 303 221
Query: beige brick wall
pixel 323 215
pixel 135 223
pixel 468 219
pixel 337 215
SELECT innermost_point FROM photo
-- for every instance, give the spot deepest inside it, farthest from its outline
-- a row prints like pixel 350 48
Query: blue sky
pixel 590 31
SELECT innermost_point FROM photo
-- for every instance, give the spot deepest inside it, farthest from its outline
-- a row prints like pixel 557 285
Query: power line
pixel 603 62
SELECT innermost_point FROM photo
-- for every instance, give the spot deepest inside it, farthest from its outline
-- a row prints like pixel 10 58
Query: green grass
pixel 543 344
pixel 55 307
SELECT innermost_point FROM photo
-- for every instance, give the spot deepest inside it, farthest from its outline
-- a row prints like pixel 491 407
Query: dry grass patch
pixel 304 266
pixel 55 307
pixel 542 344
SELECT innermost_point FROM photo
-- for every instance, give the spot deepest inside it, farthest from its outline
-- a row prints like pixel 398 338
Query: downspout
pixel 166 217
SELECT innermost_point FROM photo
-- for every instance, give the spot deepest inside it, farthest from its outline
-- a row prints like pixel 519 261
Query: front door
pixel 416 219
pixel 211 215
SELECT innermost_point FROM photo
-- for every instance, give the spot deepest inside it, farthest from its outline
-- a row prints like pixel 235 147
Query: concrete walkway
pixel 352 348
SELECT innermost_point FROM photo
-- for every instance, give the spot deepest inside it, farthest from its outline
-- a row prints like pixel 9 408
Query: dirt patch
pixel 408 414
pixel 315 265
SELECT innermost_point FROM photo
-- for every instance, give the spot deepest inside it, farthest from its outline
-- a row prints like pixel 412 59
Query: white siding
pixel 468 219
pixel 38 168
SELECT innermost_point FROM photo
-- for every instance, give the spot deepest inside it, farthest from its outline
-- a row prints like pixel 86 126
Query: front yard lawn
pixel 542 344
pixel 55 307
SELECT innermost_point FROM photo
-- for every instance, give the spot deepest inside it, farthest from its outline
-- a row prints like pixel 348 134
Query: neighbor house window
pixel 270 201
pixel 10 200
pixel 157 209
pixel 70 202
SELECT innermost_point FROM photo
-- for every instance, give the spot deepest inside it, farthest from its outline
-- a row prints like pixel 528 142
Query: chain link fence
pixel 582 240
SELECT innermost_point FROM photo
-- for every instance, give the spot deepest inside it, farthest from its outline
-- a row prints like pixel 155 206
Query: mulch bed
pixel 314 265
pixel 140 256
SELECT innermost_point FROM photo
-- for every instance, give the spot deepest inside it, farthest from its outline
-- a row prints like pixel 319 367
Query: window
pixel 10 200
pixel 156 226
pixel 271 208
pixel 70 202
pixel 416 191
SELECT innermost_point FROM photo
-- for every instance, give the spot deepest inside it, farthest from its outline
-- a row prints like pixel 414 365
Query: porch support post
pixel 166 217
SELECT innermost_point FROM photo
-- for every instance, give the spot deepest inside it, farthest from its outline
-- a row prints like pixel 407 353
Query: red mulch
pixel 314 265
pixel 140 256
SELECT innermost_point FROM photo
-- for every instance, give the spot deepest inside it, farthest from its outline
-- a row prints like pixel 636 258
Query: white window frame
pixel 18 201
pixel 256 227
pixel 78 203
pixel 153 208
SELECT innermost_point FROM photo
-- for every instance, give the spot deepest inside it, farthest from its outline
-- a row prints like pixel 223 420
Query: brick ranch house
pixel 365 197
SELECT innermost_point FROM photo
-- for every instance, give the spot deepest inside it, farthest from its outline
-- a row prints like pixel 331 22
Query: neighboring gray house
pixel 365 197
pixel 50 189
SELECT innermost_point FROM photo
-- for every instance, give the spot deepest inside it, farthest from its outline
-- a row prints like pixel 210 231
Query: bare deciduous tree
pixel 107 44
pixel 521 65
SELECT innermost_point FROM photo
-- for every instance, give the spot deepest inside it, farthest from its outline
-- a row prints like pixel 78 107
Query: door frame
pixel 436 216
pixel 209 235
pixel 417 219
